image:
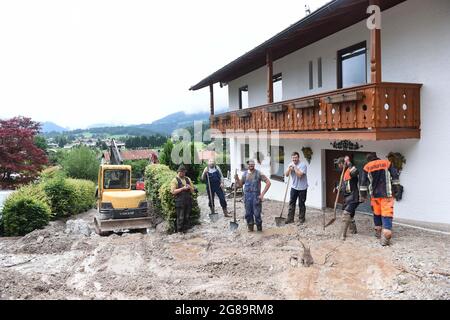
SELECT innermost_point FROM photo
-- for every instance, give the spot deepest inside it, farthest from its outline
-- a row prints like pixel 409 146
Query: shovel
pixel 280 221
pixel 214 216
pixel 337 199
pixel 233 224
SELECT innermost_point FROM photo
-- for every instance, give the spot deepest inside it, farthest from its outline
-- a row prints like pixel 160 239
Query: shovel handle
pixel 210 194
pixel 234 200
pixel 285 196
pixel 339 190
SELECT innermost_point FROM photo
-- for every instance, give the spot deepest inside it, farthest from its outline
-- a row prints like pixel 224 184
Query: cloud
pixel 98 61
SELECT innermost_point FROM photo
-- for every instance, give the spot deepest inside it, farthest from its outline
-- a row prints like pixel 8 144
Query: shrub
pixel 52 173
pixel 62 196
pixel 84 195
pixel 155 176
pixel 81 163
pixel 157 179
pixel 23 213
pixel 137 167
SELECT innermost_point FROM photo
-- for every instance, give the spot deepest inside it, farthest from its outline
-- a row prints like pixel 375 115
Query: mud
pixel 211 262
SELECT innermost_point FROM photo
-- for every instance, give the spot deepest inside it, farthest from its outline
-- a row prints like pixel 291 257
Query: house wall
pixel 415 48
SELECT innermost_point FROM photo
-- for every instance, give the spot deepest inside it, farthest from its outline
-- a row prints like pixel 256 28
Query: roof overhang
pixel 327 20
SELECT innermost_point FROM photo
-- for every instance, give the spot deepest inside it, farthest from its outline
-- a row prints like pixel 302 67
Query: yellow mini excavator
pixel 119 208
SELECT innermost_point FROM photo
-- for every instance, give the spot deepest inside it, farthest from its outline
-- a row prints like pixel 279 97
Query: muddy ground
pixel 211 262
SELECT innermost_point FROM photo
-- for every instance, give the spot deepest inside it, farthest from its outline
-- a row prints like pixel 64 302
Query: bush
pixel 157 183
pixel 155 176
pixel 81 163
pixel 52 173
pixel 137 167
pixel 62 196
pixel 84 195
pixel 23 213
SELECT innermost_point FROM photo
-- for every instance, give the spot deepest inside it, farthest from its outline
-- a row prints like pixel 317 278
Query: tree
pixel 137 167
pixel 166 155
pixel 41 143
pixel 81 163
pixel 194 166
pixel 20 159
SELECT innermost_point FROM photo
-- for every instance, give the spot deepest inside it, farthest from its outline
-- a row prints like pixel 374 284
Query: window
pixel 311 77
pixel 243 97
pixel 319 72
pixel 116 179
pixel 352 66
pixel 277 88
pixel 245 155
pixel 277 163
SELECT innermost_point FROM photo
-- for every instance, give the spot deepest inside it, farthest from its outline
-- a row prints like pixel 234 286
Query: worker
pixel 182 189
pixel 299 188
pixel 350 191
pixel 214 176
pixel 381 180
pixel 253 197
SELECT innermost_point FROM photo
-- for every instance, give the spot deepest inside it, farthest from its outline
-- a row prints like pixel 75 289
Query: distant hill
pixel 175 121
pixel 48 127
pixel 164 126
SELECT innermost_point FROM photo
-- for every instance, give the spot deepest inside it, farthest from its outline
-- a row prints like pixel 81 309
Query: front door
pixel 333 174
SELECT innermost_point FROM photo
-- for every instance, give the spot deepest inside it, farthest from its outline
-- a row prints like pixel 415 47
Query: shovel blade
pixel 214 217
pixel 280 222
pixel 330 223
pixel 233 226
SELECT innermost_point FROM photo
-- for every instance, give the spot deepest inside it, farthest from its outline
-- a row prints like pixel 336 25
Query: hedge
pixel 62 196
pixel 33 206
pixel 70 196
pixel 22 214
pixel 84 195
pixel 157 185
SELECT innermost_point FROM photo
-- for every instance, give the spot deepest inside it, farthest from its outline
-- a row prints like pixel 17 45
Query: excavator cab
pixel 119 207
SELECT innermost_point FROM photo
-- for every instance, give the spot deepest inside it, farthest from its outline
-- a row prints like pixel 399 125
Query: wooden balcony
pixel 383 111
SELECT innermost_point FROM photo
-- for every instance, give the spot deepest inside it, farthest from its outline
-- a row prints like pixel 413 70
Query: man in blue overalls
pixel 215 177
pixel 253 198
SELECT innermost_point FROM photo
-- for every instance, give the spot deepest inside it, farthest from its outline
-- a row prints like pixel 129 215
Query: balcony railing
pixel 372 107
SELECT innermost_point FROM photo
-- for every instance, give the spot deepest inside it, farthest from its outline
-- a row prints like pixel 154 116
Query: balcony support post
pixel 269 64
pixel 375 50
pixel 211 98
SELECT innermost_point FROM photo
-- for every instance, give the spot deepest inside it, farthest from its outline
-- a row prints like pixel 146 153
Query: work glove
pixel 397 191
pixel 362 196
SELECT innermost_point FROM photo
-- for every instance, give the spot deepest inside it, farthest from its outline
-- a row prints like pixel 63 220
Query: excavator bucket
pixel 105 227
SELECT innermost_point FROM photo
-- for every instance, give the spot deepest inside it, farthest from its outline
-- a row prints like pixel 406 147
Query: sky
pixel 84 62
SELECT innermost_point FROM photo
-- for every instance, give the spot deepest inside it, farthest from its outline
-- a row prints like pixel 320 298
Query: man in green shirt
pixel 182 189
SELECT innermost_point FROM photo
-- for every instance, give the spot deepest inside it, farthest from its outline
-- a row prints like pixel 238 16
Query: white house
pixel 332 84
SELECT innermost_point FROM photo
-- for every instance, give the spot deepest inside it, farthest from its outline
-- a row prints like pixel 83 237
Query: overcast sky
pixel 83 62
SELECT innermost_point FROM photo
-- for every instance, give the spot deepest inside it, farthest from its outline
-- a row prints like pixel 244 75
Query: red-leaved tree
pixel 20 159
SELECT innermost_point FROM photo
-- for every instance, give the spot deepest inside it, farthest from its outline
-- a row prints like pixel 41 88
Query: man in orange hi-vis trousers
pixel 381 180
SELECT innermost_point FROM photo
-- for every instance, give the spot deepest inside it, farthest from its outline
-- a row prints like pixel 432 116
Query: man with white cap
pixel 253 197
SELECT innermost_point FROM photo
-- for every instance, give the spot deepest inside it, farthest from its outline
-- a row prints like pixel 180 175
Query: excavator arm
pixel 115 157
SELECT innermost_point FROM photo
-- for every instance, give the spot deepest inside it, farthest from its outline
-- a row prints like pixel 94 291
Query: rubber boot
pixel 259 227
pixel 346 220
pixel 386 238
pixel 378 232
pixel 250 227
pixel 352 227
pixel 289 219
pixel 225 213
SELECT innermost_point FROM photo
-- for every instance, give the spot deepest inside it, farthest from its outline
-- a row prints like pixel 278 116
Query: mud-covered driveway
pixel 211 262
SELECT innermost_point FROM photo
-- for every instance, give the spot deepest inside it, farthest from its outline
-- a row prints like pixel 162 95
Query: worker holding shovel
pixel 253 197
pixel 350 190
pixel 214 185
pixel 297 171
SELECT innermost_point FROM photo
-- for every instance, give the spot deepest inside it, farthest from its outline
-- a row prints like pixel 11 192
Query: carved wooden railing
pixel 372 106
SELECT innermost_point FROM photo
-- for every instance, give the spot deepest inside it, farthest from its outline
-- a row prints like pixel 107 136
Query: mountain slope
pixel 51 127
